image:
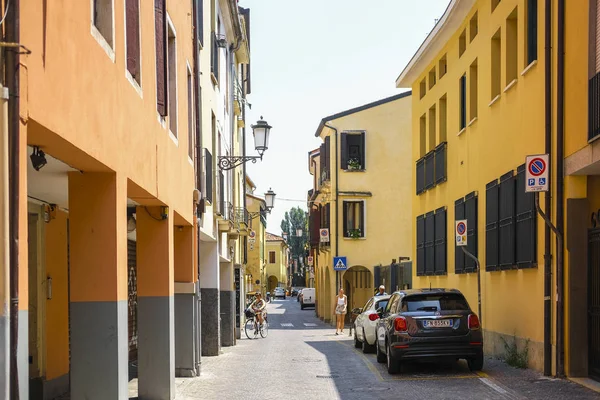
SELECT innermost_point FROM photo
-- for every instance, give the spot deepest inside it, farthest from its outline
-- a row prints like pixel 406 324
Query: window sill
pixel 463 130
pixel 214 79
pixel 494 100
pixel 161 120
pixel 529 67
pixel 174 138
pixel 510 85
pixel 351 239
pixel 110 52
pixel 134 83
pixel 354 170
pixel 471 122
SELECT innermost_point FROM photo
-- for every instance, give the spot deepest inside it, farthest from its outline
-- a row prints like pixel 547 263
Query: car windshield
pixel 381 304
pixel 435 302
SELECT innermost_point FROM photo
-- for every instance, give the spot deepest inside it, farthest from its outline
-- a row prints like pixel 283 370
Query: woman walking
pixel 341 302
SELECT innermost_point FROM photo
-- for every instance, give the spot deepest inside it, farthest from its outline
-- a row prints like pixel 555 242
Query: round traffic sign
pixel 324 232
pixel 461 228
pixel 537 166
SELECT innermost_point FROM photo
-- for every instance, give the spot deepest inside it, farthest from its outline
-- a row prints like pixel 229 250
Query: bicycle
pixel 252 329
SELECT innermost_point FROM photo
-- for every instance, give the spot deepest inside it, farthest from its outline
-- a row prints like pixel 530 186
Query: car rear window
pixel 381 304
pixel 435 302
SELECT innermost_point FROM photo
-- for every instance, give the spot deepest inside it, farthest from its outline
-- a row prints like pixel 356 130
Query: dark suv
pixel 428 324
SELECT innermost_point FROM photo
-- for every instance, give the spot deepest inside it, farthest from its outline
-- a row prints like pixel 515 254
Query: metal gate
pixel 594 304
pixel 132 300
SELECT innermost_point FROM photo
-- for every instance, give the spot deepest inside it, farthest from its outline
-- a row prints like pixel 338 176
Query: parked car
pixel 428 324
pixel 308 298
pixel 279 292
pixel 365 325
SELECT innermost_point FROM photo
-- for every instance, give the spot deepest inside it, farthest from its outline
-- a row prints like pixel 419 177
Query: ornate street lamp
pixel 299 232
pixel 260 131
pixel 270 203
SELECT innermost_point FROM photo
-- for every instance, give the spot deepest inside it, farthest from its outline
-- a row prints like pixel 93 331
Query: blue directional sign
pixel 340 264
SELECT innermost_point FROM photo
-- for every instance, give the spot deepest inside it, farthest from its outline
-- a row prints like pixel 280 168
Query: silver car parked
pixel 365 325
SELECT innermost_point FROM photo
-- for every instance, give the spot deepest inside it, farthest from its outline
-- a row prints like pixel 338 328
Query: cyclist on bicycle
pixel 258 306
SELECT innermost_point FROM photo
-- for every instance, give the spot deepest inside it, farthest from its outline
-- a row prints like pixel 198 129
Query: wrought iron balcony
pixel 594 107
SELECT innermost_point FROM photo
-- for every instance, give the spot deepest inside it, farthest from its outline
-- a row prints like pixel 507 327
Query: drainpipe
pixel 4 240
pixel 337 193
pixel 547 197
pixel 12 82
pixel 560 88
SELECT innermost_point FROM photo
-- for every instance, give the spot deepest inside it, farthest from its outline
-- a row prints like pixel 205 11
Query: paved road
pixel 303 358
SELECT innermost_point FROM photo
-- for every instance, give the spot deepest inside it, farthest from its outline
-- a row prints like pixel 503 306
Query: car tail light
pixel 373 317
pixel 474 322
pixel 400 324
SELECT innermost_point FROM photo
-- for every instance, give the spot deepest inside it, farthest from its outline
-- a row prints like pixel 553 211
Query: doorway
pixel 594 304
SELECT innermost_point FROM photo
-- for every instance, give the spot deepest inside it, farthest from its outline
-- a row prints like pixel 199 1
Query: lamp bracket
pixel 230 162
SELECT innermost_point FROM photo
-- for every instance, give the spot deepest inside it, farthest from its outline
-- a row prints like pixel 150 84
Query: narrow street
pixel 303 358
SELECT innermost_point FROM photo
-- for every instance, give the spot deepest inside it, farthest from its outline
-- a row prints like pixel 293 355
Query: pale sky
pixel 314 58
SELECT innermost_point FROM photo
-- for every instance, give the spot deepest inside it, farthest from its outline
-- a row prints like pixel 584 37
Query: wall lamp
pixel 38 158
pixel 270 200
pixel 261 133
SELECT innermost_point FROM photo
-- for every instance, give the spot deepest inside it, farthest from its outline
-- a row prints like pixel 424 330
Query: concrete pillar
pixel 187 362
pixel 227 298
pixel 209 290
pixel 156 316
pixel 98 280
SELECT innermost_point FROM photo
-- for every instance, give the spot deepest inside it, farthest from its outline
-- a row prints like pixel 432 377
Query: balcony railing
pixel 240 216
pixel 594 107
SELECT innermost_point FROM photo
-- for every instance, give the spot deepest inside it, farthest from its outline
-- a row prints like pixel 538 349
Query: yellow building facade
pixel 276 259
pixel 482 102
pixel 367 215
pixel 256 271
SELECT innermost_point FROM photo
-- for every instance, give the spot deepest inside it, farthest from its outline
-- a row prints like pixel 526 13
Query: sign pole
pixel 472 257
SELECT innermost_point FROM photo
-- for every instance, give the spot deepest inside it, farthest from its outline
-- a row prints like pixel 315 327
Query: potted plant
pixel 354 233
pixel 353 164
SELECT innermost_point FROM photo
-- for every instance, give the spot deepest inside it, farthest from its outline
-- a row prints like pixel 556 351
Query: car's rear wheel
pixel 366 347
pixel 393 365
pixel 357 343
pixel 380 356
pixel 476 363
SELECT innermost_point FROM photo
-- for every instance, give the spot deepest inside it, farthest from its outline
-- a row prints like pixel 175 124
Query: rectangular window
pixel 103 19
pixel 214 58
pixel 459 256
pixel 472 239
pixel 491 226
pixel 506 221
pixel 526 224
pixel 132 42
pixel 420 175
pixel 432 122
pixel 443 116
pixel 423 135
pixel 495 4
pixel 462 92
pixel 429 170
pixel 531 28
pixel 352 151
pixel 208 176
pixel 440 241
pixel 200 21
pixel 496 64
pixel 512 45
pixel 354 218
pixel 423 88
pixel 443 66
pixel 462 43
pixel 473 27
pixel 440 163
pixel 432 78
pixel 271 257
pixel 473 91
pixel 429 243
pixel 325 215
pixel 420 245
pixel 172 76
pixel 190 113
pixel 160 34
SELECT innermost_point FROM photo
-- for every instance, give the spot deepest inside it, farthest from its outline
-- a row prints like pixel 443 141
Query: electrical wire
pixel 5 11
pixel 152 216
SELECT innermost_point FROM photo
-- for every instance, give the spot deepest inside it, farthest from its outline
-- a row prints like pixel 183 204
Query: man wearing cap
pixel 381 291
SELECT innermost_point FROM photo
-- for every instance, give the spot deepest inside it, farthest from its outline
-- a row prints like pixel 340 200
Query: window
pixel 423 135
pixel 432 78
pixel 432 122
pixel 473 27
pixel 215 53
pixel 462 43
pixel 466 208
pixel 440 241
pixel 526 224
pixel 200 21
pixel 420 175
pixel 473 91
pixel 491 226
pixel 208 176
pixel 435 302
pixel 354 218
pixel 271 257
pixel 440 163
pixel 132 42
pixel 496 54
pixel 190 113
pixel 506 221
pixel 324 153
pixel 103 19
pixel 443 116
pixel 429 170
pixel 381 304
pixel 160 34
pixel 462 86
pixel 352 150
pixel 423 88
pixel 429 243
pixel 443 66
pixel 325 215
pixel 512 44
pixel 495 4
pixel 531 27
pixel 421 245
pixel 172 76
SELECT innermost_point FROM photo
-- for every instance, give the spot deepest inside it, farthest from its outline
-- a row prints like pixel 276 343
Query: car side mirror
pixel 357 310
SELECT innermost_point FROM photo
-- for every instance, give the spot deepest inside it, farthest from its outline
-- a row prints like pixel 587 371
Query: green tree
pixel 294 219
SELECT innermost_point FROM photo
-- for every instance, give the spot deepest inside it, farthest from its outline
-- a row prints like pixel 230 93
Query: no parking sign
pixel 536 173
pixel 461 232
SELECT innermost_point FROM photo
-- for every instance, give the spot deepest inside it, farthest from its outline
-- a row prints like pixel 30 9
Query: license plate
pixel 438 323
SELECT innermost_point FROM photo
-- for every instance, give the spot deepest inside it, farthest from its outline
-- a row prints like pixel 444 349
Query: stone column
pixel 209 290
pixel 156 316
pixel 227 297
pixel 98 281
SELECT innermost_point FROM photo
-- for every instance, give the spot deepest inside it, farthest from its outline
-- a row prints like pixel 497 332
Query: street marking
pixel 287 324
pixel 493 385
pixel 309 324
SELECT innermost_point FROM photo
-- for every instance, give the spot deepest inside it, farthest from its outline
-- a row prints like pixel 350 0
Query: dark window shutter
pixel 440 241
pixel 327 161
pixel 160 33
pixel 200 21
pixel 429 170
pixel 463 101
pixel 315 225
pixel 323 157
pixel 532 27
pixel 491 226
pixel 526 225
pixel 506 221
pixel 429 243
pixel 345 218
pixel 420 175
pixel 208 163
pixel 420 245
pixel 327 215
pixel 363 152
pixel 459 256
pixel 440 163
pixel 132 25
pixel 471 217
pixel 344 151
pixel 361 226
